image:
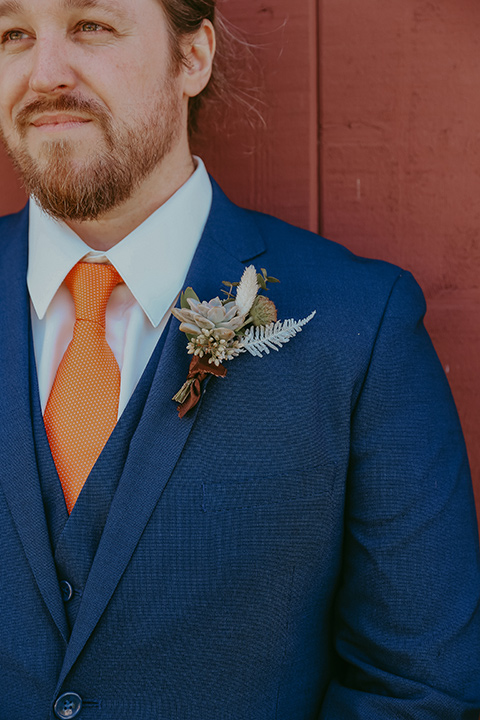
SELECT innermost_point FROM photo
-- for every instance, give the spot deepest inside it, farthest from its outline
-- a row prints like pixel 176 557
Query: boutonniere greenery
pixel 244 320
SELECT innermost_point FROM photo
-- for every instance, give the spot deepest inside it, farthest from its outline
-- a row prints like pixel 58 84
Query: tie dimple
pixel 82 407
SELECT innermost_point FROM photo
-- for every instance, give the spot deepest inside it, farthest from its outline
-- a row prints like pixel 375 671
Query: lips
pixel 59 119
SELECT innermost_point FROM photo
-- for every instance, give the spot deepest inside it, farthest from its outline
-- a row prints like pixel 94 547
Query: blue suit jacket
pixel 302 545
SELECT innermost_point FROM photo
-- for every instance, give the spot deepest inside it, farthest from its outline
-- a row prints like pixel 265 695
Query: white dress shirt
pixel 153 261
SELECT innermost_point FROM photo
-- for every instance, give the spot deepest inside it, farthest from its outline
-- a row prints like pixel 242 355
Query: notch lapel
pixel 19 473
pixel 229 240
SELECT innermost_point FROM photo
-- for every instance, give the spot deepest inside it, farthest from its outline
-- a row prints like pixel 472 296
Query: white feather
pixel 247 290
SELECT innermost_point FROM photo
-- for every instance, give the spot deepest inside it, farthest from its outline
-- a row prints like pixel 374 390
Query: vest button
pixel 67 590
pixel 68 706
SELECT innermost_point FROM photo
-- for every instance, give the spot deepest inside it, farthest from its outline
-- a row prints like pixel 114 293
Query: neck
pixel 109 229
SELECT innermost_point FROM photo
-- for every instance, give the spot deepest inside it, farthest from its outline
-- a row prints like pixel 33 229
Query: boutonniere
pixel 221 329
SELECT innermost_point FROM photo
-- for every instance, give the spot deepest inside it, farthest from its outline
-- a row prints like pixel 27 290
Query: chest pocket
pixel 252 491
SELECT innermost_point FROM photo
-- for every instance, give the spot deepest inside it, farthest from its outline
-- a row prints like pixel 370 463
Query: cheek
pixel 136 93
pixel 122 87
pixel 13 94
pixel 5 114
pixel 143 69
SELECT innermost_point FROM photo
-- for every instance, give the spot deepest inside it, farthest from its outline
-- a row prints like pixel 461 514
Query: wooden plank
pixel 274 168
pixel 453 323
pixel 400 159
pixel 12 197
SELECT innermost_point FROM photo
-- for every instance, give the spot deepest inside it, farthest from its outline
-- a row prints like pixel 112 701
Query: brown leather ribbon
pixel 199 370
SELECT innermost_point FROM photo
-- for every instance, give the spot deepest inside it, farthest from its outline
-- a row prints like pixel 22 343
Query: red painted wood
pixel 275 168
pixel 12 197
pixel 400 161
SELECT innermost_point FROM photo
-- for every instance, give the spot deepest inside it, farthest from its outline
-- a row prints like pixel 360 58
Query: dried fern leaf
pixel 260 340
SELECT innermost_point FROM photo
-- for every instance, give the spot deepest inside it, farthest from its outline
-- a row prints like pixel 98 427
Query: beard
pixel 70 189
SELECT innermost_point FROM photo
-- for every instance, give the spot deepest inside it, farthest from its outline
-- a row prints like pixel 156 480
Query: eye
pixel 91 27
pixel 14 36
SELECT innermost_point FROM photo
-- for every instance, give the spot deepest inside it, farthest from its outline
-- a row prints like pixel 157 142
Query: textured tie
pixel 82 408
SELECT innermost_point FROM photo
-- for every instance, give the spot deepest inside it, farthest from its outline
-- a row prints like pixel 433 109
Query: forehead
pixel 112 7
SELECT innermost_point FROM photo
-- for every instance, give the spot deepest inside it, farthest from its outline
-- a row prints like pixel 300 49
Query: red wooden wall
pixel 372 137
pixel 274 168
pixel 400 158
pixel 12 197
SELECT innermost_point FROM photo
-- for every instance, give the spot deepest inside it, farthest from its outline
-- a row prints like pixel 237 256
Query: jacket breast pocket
pixel 251 490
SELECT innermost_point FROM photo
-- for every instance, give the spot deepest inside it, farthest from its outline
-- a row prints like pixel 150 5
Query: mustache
pixel 63 103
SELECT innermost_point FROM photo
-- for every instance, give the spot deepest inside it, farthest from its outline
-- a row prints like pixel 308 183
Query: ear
pixel 199 51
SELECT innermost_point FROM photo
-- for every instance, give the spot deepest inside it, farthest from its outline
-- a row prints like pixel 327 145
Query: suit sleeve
pixel 407 623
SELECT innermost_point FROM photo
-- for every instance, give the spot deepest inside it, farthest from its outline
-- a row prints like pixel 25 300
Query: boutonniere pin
pixel 221 329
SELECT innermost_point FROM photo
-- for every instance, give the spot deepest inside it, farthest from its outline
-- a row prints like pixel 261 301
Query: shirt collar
pixel 153 260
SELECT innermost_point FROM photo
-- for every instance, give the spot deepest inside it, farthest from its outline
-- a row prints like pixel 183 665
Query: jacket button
pixel 68 705
pixel 67 590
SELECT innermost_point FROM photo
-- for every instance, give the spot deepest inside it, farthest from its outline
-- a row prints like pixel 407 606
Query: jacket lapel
pixel 230 239
pixel 19 474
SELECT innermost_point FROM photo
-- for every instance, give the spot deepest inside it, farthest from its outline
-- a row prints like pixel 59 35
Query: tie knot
pixel 91 285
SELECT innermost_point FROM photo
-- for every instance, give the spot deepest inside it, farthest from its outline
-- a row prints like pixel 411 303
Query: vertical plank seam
pixel 318 130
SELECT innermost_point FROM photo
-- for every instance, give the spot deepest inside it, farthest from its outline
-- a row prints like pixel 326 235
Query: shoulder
pixel 14 244
pixel 13 224
pixel 299 257
pixel 352 295
pixel 347 286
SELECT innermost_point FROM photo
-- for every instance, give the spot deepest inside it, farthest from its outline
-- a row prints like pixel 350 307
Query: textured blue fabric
pixel 75 538
pixel 303 545
pixel 53 500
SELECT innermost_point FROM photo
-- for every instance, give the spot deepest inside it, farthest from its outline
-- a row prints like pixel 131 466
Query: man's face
pixel 90 103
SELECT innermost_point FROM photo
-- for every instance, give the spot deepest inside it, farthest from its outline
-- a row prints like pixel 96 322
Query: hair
pixel 184 18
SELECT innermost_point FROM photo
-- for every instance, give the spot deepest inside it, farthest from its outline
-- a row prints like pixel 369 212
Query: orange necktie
pixel 82 408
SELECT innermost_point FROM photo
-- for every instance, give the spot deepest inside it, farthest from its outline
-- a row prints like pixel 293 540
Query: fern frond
pixel 271 337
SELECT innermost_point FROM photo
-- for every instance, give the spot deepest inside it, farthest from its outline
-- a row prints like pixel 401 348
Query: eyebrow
pixel 10 7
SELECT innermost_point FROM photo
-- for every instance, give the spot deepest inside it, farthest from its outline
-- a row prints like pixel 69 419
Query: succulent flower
pixel 211 328
pixel 212 315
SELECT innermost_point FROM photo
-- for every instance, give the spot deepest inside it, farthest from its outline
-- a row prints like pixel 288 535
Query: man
pixel 302 543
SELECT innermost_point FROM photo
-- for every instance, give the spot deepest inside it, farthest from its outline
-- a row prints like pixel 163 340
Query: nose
pixel 51 70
